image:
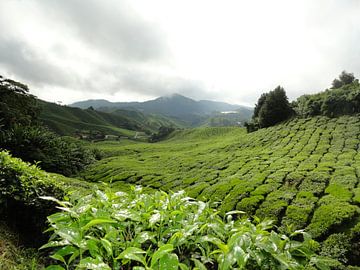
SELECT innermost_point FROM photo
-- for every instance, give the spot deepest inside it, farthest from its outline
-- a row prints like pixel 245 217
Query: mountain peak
pixel 174 96
pixel 174 104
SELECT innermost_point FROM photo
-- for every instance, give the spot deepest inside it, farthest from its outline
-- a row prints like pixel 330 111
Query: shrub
pixel 21 185
pixel 250 204
pixel 336 246
pixel 356 198
pixel 330 215
pixel 35 144
pixel 107 230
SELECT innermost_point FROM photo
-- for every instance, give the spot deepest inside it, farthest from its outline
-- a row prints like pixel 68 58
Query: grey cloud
pixel 111 27
pixel 147 83
pixel 18 58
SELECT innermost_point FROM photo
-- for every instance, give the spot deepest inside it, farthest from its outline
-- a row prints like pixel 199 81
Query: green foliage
pixel 70 121
pixel 23 182
pixel 271 108
pixel 25 138
pixel 341 100
pixel 336 246
pixel 36 144
pixel 276 108
pixel 17 106
pixel 161 134
pixel 328 216
pixel 302 172
pixel 107 230
pixel 20 187
pixel 344 79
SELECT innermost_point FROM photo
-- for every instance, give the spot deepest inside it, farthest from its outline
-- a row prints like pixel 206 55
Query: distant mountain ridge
pixel 173 105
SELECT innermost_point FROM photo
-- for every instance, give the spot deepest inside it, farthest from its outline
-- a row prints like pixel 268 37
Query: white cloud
pixel 226 50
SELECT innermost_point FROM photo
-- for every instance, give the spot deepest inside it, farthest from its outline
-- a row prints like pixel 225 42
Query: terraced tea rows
pixel 303 173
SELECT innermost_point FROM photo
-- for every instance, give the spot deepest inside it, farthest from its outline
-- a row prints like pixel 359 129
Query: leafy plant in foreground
pixel 135 230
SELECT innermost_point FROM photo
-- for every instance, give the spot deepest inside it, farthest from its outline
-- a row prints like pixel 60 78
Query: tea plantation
pixel 304 174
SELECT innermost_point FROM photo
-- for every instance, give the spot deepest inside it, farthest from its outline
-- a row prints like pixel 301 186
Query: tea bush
pixel 136 230
pixel 268 172
pixel 21 184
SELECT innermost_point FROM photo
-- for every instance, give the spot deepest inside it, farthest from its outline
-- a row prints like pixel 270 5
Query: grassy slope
pixel 303 173
pixel 66 120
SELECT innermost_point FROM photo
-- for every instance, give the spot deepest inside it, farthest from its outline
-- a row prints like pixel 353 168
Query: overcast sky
pixel 232 51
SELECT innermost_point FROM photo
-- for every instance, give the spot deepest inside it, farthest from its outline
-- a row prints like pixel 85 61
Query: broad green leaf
pixel 183 266
pixel 322 262
pixel 96 222
pixel 235 212
pixel 49 198
pixel 144 236
pixel 107 245
pixel 160 253
pixel 154 218
pixel 74 256
pixel 70 234
pixel 55 244
pixel 57 217
pixel 133 253
pixel 92 246
pixel 241 257
pixel 65 251
pixel 169 262
pixel 199 265
pixel 216 241
pixel 93 264
pixel 58 257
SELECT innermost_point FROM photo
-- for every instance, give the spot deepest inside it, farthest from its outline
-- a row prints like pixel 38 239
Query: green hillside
pixel 120 227
pixel 66 120
pixel 303 173
pixel 182 110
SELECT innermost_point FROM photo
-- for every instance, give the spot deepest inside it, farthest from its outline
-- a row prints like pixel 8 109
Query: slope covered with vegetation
pixel 182 110
pixel 303 173
pixel 23 212
pixel 66 120
pixel 105 229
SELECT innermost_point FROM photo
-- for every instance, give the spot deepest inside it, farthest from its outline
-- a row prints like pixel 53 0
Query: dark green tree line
pixel 22 134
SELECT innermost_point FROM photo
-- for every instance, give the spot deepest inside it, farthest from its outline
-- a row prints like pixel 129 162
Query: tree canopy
pixel 271 108
pixel 26 138
pixel 17 106
pixel 344 79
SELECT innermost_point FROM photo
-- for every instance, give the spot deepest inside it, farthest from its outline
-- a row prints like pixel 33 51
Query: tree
pixel 276 108
pixel 17 106
pixel 271 108
pixel 259 104
pixel 162 134
pixel 24 137
pixel 344 79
